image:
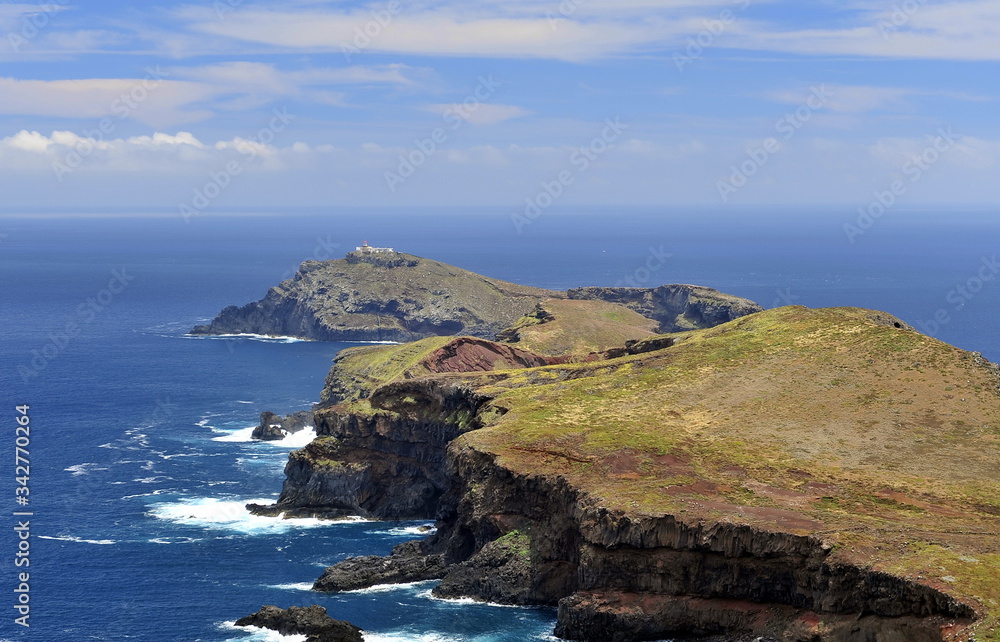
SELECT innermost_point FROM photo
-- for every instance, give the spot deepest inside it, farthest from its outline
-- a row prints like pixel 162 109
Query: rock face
pixel 649 527
pixel 311 621
pixel 384 297
pixel 400 297
pixel 517 538
pixel 409 562
pixel 675 307
pixel 273 427
pixel 344 471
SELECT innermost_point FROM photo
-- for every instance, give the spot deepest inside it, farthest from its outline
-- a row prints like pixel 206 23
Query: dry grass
pixel 580 326
pixel 882 440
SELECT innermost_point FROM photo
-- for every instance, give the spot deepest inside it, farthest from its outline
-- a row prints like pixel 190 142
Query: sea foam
pixel 231 515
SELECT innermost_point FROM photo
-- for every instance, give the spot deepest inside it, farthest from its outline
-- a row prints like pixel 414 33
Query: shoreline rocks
pixel 274 427
pixel 312 621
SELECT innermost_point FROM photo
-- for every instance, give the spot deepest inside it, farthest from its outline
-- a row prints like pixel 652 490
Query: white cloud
pixel 942 30
pixel 182 95
pixel 846 98
pixel 152 101
pixel 457 29
pixel 480 113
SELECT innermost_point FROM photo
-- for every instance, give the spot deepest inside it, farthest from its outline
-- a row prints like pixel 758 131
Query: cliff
pixel 802 474
pixel 400 297
pixel 675 307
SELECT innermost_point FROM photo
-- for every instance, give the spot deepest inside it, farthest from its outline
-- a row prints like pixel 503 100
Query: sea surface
pixel 140 456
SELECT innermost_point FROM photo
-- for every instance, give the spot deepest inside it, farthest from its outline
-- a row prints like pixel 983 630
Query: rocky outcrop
pixel 343 471
pixel 676 307
pixel 409 562
pixel 274 427
pixel 400 297
pixel 385 297
pixel 645 539
pixel 467 354
pixel 311 621
pixel 531 539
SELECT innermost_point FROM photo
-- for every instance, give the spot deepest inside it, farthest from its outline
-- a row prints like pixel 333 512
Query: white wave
pixel 298 439
pixel 231 515
pixel 79 540
pixel 152 480
pixel 257 634
pixel 174 540
pixel 406 636
pixel 297 586
pixel 84 469
pixel 291 440
pixel 159 491
pixel 243 434
pixel 266 338
pixel 246 402
pixel 464 601
pixel 419 529
pixel 385 588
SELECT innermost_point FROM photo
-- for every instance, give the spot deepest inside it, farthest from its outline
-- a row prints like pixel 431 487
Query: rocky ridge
pixel 675 531
pixel 311 621
pixel 274 427
pixel 400 297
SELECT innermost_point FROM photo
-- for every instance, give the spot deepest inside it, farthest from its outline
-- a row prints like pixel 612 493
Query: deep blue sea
pixel 140 457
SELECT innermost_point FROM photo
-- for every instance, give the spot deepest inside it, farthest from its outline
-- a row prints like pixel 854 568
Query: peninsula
pixel 791 474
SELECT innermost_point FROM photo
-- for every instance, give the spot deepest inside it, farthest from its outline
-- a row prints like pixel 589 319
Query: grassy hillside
pixel 835 422
pixel 563 326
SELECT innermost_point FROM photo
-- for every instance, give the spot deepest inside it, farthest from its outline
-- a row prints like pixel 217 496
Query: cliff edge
pixel 399 297
pixel 808 475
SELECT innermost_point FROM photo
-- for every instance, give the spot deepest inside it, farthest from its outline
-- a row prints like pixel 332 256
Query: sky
pixel 229 104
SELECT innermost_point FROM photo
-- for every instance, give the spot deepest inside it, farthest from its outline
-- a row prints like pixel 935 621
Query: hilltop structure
pixel 364 248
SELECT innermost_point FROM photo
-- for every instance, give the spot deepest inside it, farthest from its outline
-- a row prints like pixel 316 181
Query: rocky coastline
pixel 400 297
pixel 646 491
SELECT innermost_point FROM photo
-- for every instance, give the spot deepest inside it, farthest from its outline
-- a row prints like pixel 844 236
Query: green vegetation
pixel 805 421
pixel 517 542
pixel 568 326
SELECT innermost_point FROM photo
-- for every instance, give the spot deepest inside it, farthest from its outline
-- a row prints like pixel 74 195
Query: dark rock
pixel 676 307
pixel 500 572
pixel 312 621
pixel 380 297
pixel 345 470
pixel 408 563
pixel 273 427
pixel 399 297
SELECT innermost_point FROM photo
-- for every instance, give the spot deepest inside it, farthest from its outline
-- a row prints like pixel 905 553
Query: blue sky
pixel 237 104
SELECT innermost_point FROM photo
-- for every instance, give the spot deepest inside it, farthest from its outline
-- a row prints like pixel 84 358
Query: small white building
pixel 364 248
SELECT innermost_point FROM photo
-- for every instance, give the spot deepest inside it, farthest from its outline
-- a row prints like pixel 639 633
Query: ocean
pixel 139 449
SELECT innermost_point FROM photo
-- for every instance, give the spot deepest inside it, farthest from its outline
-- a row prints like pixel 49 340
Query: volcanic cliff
pixel 808 475
pixel 400 297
